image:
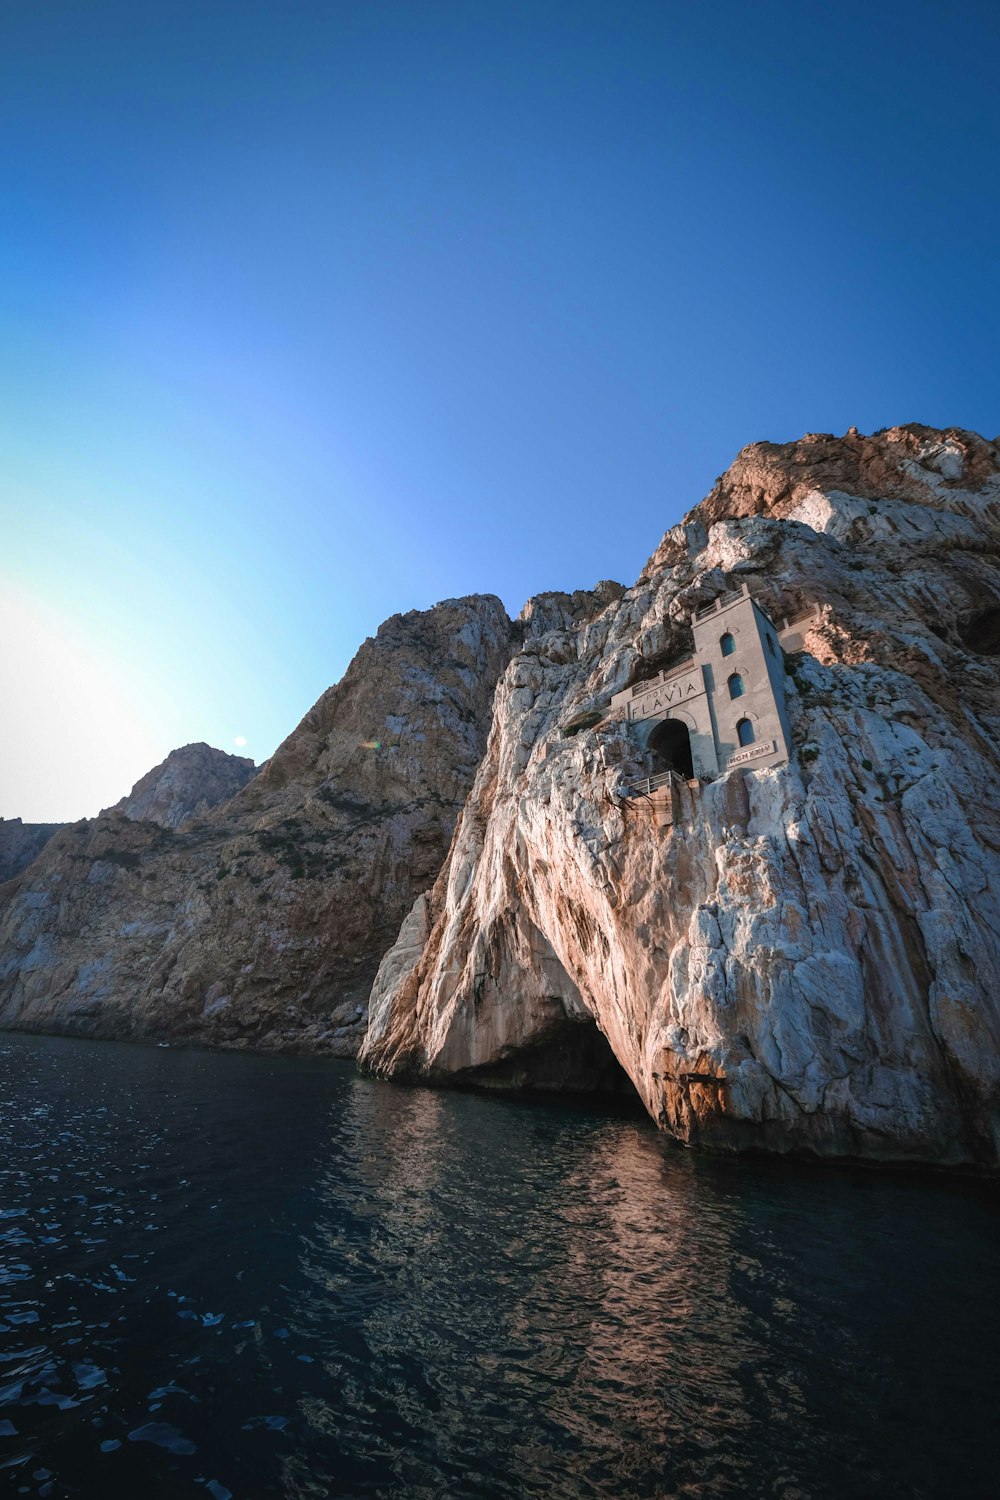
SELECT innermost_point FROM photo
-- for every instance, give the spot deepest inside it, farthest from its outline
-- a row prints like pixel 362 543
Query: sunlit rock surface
pixel 261 923
pixel 809 957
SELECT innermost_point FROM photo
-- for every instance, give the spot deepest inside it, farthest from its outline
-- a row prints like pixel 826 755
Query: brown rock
pixel 261 923
pixel 20 843
pixel 188 783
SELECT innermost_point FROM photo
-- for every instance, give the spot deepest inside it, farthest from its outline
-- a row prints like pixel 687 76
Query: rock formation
pixel 188 783
pixel 261 922
pixel 20 843
pixel 799 958
pixel 808 956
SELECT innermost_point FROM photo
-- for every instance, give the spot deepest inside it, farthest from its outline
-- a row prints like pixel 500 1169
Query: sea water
pixel 226 1275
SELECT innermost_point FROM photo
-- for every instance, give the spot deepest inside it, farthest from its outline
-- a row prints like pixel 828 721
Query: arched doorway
pixel 670 746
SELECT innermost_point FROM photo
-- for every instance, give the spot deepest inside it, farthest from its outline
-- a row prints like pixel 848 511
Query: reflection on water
pixel 247 1277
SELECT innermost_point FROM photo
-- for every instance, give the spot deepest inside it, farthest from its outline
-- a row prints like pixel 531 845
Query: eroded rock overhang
pixel 802 957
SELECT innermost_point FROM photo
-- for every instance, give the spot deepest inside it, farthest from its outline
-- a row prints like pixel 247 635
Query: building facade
pixel 725 705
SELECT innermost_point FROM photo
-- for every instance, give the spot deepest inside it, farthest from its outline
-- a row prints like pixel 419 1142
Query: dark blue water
pixel 228 1275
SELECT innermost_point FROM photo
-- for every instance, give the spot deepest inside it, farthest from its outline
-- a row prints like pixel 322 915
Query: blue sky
pixel 315 312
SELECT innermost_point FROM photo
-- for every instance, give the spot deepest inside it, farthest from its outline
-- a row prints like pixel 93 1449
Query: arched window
pixel 770 645
pixel 744 732
pixel 736 686
pixel 728 644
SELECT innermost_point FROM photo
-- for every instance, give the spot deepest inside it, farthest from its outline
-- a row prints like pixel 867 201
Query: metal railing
pixel 686 665
pixel 729 597
pixel 650 784
pixel 809 614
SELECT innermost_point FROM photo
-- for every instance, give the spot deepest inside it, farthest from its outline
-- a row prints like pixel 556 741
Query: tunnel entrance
pixel 670 746
pixel 572 1058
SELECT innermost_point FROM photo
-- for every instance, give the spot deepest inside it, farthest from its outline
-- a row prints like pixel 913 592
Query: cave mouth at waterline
pixel 574 1057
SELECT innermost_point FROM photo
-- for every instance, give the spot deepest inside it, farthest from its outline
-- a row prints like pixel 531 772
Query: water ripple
pixel 243 1277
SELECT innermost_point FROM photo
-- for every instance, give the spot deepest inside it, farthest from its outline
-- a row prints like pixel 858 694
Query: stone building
pixel 725 705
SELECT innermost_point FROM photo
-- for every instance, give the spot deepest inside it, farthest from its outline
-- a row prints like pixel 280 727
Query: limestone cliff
pixel 261 922
pixel 805 957
pixel 20 843
pixel 188 783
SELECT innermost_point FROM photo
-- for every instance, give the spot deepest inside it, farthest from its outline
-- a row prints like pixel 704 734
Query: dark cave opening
pixel 980 631
pixel 670 746
pixel 572 1058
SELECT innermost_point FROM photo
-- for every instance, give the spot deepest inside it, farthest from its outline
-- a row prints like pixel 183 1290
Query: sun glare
pixel 73 746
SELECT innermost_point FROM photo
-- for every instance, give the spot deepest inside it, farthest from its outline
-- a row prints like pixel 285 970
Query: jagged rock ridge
pixel 188 783
pixel 261 922
pixel 809 957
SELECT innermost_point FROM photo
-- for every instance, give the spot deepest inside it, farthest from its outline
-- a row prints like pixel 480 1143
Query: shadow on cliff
pixel 573 1060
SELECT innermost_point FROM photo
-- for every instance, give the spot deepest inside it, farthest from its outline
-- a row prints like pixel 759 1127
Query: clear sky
pixel 312 312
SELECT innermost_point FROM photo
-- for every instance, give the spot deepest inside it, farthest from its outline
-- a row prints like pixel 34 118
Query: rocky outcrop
pixel 187 784
pixel 261 923
pixel 808 957
pixel 20 843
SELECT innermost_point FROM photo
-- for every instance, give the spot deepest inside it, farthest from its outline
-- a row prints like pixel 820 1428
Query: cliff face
pixel 189 782
pixel 20 843
pixel 261 923
pixel 808 957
